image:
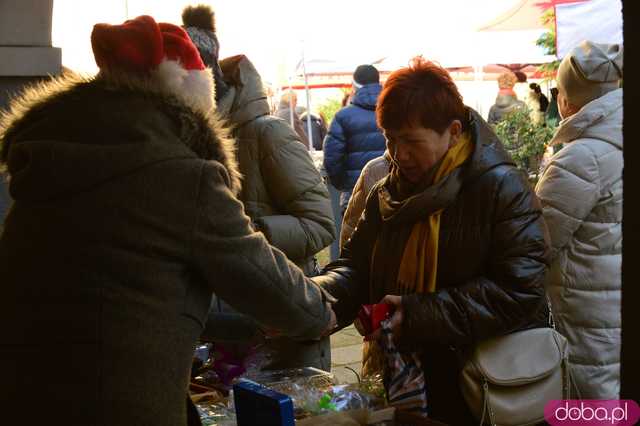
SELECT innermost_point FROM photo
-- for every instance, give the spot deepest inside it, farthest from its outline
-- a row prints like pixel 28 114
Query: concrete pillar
pixel 26 54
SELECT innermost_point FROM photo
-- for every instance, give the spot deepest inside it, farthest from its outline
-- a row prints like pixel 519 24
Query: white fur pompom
pixel 194 87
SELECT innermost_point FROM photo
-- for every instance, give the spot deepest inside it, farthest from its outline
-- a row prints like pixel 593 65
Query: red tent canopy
pixel 525 15
pixel 325 80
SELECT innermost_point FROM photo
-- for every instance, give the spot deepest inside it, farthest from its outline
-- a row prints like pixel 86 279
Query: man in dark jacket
pixel 318 128
pixel 125 220
pixel 354 137
pixel 453 235
pixel 282 191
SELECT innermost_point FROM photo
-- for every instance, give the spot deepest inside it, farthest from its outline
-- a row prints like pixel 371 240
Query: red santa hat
pixel 157 52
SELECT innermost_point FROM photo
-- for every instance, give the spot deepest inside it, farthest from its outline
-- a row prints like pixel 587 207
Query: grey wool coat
pixel 125 221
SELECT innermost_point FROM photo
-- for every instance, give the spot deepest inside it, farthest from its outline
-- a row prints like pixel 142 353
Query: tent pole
pixel 291 104
pixel 478 77
pixel 306 88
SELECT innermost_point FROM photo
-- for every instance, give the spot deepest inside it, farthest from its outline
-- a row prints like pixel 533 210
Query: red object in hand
pixel 370 317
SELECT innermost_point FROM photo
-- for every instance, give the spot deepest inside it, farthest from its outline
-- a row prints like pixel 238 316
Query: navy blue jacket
pixel 353 139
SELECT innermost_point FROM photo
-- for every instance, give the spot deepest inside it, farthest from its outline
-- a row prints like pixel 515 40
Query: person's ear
pixel 388 144
pixel 566 108
pixel 455 131
pixel 455 128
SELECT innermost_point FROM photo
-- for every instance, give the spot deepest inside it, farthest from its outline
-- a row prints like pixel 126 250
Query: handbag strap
pixel 552 322
pixel 565 363
pixel 486 405
pixel 572 383
pixel 484 401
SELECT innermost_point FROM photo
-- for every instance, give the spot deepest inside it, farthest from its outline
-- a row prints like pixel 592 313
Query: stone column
pixel 26 54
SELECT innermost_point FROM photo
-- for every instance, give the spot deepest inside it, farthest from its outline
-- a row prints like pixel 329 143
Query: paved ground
pixel 346 345
pixel 346 351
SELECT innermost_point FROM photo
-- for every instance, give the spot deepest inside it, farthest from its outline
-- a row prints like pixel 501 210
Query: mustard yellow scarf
pixel 419 262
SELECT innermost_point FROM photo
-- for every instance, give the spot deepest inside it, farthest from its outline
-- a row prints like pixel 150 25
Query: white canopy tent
pixel 599 21
pixel 524 15
pixel 471 59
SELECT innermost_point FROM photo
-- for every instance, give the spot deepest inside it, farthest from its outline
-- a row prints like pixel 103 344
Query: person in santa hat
pixel 282 191
pixel 125 221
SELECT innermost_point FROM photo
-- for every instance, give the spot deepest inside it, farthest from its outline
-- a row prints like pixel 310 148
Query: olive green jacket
pixel 282 191
pixel 285 197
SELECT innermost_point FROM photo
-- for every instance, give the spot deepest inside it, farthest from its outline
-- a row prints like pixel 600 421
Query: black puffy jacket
pixel 318 129
pixel 492 262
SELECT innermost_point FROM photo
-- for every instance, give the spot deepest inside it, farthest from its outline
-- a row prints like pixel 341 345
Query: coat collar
pixel 599 119
pixel 73 132
pixel 489 151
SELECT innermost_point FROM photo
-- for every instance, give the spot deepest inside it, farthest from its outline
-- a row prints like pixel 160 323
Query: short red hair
pixel 422 94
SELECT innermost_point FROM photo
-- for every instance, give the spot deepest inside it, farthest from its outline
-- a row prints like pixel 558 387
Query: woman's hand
pixel 396 318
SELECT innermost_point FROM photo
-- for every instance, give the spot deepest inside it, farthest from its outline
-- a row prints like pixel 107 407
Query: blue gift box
pixel 257 405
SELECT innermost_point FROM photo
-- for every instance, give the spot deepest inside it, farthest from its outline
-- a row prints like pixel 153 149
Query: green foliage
pixel 548 18
pixel 547 41
pixel 329 109
pixel 524 139
pixel 332 106
pixel 549 69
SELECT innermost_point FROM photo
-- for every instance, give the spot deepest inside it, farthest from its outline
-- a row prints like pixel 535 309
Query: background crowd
pixel 179 209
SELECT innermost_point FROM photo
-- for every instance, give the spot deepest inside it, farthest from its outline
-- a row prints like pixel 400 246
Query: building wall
pixel 27 55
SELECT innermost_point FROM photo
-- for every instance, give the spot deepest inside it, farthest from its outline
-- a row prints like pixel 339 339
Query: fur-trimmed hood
pixel 73 133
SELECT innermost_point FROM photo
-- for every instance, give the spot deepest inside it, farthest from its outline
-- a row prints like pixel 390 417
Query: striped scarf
pixel 403 379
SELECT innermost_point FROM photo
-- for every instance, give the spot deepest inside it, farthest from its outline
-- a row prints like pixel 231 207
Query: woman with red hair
pixel 452 237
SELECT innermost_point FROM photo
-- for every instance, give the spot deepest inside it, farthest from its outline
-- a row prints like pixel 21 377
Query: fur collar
pixel 203 133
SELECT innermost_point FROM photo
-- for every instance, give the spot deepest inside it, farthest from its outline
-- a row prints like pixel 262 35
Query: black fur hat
pixel 200 16
pixel 200 23
pixel 366 74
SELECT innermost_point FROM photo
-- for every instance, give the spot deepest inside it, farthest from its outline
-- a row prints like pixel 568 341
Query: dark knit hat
pixel 366 74
pixel 200 23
